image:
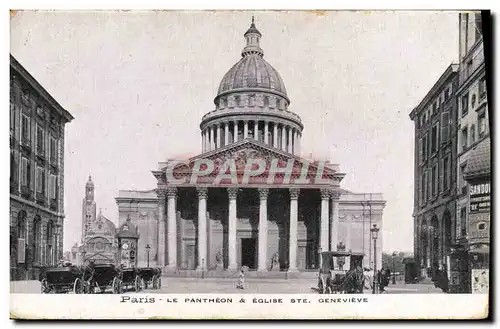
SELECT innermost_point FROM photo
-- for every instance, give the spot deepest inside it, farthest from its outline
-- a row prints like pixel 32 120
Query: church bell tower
pixel 88 207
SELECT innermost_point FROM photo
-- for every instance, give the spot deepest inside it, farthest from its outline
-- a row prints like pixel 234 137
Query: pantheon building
pixel 268 225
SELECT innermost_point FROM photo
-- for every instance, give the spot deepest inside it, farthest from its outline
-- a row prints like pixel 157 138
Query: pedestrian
pixel 241 279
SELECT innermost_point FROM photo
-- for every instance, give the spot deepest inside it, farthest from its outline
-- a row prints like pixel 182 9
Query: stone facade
pixel 36 177
pixel 211 224
pixel 435 121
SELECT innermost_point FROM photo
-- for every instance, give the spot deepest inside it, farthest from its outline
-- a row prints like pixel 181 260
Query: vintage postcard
pixel 249 164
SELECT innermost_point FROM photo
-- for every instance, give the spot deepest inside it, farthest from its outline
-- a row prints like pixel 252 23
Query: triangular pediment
pixel 252 159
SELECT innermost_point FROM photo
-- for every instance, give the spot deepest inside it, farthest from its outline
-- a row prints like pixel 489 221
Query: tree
pixel 398 261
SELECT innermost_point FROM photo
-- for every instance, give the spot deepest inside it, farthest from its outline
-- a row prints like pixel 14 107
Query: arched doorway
pixel 435 237
pixel 448 237
pixel 424 244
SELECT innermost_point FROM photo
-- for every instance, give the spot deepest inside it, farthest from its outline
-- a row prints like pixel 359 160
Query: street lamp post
pixel 394 254
pixel 374 230
pixel 83 256
pixel 148 248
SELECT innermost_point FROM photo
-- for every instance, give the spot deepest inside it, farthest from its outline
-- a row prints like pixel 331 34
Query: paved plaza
pixel 252 286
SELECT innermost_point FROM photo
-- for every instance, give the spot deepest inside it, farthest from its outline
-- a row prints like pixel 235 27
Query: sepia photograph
pixel 293 162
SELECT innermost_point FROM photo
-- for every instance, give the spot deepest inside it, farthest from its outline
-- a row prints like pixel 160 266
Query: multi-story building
pixel 435 120
pixel 37 123
pixel 472 126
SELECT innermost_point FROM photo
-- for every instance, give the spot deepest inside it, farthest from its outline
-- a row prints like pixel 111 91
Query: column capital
pixel 325 193
pixel 202 192
pixel 335 195
pixel 232 192
pixel 161 192
pixel 263 193
pixel 294 193
pixel 171 191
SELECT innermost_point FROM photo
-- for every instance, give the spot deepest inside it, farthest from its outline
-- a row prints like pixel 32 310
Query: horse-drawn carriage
pixel 129 277
pixel 333 279
pixel 107 276
pixel 66 279
pixel 150 277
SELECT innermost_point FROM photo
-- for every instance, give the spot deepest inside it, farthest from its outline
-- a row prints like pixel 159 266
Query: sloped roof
pixel 479 163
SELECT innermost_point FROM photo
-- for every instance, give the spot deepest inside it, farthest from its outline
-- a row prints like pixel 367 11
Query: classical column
pixel 172 226
pixel 275 135
pixel 266 132
pixel 334 229
pixel 202 227
pixel 219 136
pixel 294 211
pixel 256 130
pixel 245 129
pixel 202 141
pixel 235 132
pixel 263 193
pixel 232 223
pixel 161 192
pixel 323 236
pixel 298 143
pixel 226 134
pixel 212 141
pixel 283 138
pixel 289 146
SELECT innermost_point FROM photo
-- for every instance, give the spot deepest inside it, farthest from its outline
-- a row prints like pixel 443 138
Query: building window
pixel 446 94
pixel 478 26
pixel 472 134
pixel 426 185
pixel 50 243
pixel 465 133
pixel 434 180
pixel 21 237
pixel 12 118
pixel 465 104
pixel 482 123
pixel 25 172
pixel 37 240
pixel 473 101
pixel 39 140
pixel 53 150
pixel 463 182
pixel 13 172
pixel 53 188
pixel 422 188
pixel 446 173
pixel 434 106
pixel 25 129
pixel 469 67
pixel 463 221
pixel 425 146
pixel 40 180
pixel 435 137
pixel 482 88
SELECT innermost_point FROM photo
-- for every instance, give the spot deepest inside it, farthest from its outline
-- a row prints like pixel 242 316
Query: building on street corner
pixel 37 123
pixel 435 121
pixel 472 130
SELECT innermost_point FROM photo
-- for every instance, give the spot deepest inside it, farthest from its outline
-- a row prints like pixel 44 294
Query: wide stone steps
pixel 234 274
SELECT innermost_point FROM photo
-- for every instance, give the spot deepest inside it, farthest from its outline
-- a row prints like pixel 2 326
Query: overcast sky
pixel 138 84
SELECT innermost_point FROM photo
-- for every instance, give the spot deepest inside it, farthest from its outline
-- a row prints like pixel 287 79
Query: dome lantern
pixel 252 36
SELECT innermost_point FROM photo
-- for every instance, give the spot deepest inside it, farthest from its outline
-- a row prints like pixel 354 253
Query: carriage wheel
pixel 158 284
pixel 45 286
pixel 145 284
pixel 116 286
pixel 137 284
pixel 77 286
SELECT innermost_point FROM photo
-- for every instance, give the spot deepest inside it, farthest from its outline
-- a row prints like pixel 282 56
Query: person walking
pixel 241 279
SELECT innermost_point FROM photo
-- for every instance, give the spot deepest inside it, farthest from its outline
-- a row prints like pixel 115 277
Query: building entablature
pixel 280 117
pixel 249 163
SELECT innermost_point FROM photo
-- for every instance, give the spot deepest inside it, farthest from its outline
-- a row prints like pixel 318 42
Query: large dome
pixel 252 71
